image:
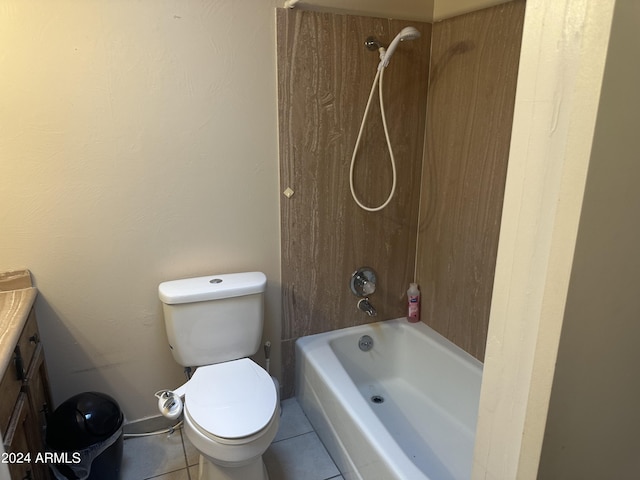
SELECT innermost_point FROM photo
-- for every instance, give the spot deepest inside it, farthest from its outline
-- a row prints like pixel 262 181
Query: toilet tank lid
pixel 211 287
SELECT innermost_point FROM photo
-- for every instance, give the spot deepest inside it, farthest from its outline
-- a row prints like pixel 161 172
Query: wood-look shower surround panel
pixel 474 67
pixel 324 79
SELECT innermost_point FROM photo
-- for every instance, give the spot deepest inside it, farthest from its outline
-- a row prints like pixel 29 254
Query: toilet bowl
pixel 231 415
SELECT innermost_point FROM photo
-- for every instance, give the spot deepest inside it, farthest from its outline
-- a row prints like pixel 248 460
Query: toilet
pixel 230 404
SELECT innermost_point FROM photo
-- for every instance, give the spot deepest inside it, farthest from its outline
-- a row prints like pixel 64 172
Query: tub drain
pixel 377 399
pixel 365 343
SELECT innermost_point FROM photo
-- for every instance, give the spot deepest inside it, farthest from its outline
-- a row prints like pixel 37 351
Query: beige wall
pixel 593 417
pixel 449 8
pixel 138 143
pixel 423 10
pixel 396 9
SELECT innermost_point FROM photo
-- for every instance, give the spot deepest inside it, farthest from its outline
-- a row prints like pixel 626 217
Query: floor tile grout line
pixel 293 436
pixel 165 473
pixel 186 458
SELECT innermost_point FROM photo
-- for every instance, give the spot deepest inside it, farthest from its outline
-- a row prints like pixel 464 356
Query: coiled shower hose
pixel 376 81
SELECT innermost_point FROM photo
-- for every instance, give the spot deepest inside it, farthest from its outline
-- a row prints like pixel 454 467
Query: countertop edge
pixel 15 306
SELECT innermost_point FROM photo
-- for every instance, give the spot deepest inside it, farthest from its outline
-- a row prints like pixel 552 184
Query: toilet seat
pixel 231 400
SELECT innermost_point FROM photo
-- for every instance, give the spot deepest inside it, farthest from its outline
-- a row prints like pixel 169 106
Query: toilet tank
pixel 215 318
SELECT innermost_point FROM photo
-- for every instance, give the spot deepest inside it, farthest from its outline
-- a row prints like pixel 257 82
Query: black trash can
pixel 84 438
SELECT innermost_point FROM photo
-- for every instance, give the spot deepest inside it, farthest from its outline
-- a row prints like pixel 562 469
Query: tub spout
pixel 366 307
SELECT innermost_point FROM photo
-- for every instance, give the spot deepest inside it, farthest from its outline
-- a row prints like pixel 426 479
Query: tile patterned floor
pixel 295 454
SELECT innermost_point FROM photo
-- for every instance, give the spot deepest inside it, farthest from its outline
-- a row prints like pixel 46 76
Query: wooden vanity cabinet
pixel 24 406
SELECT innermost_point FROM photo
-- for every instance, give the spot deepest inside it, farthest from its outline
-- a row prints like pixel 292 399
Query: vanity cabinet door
pixel 15 376
pixel 36 388
pixel 19 458
pixel 10 386
pixel 28 342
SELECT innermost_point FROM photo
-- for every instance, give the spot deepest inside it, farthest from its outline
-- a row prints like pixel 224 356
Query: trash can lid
pixel 82 421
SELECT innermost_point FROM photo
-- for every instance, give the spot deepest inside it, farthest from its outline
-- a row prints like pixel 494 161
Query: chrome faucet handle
pixel 363 282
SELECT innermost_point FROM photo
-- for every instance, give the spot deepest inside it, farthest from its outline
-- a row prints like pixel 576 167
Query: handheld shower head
pixel 407 33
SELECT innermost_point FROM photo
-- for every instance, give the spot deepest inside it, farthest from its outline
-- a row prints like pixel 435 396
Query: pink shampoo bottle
pixel 413 303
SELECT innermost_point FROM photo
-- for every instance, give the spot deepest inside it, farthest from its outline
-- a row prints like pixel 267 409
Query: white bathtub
pixel 425 426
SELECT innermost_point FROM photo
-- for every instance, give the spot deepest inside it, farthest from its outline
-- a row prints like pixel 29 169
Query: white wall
pixel 138 143
pixel 592 428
